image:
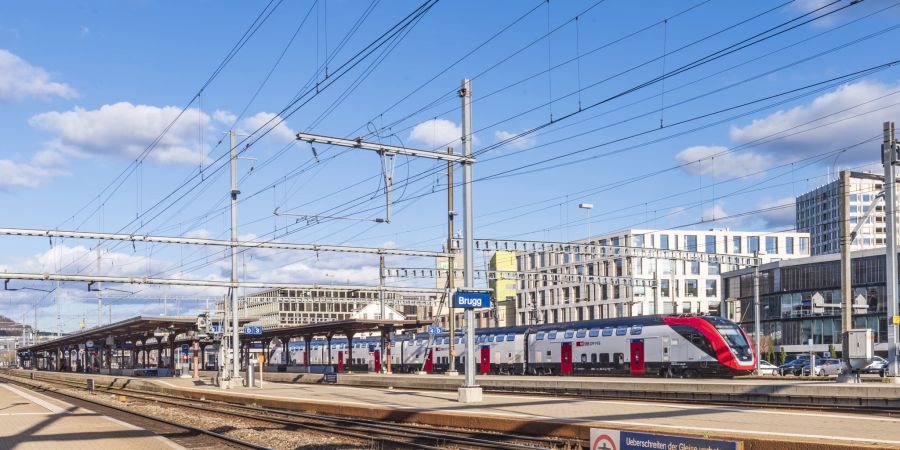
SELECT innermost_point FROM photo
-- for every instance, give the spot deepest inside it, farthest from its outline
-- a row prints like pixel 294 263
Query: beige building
pixel 641 286
pixel 291 307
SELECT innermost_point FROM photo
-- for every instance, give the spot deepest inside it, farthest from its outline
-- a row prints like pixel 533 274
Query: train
pixel 685 346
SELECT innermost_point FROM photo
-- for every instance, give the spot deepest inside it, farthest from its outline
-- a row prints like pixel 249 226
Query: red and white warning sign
pixel 602 439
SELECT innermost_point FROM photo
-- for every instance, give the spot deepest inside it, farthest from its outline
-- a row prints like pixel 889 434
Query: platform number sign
pixel 435 330
pixel 603 439
pixel 254 329
pixel 216 329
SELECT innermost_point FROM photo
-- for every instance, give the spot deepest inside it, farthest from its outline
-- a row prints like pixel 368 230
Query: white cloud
pixel 734 164
pixel 20 80
pixel 44 165
pixel 265 121
pixel 124 129
pixel 85 31
pixel 200 233
pixel 832 137
pixel 436 133
pixel 808 6
pixel 225 117
pixel 767 214
pixel 526 141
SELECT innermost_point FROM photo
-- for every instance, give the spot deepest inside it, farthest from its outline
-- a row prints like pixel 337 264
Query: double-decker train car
pixel 684 346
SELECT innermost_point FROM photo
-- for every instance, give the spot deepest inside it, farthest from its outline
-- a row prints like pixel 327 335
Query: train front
pixel 727 342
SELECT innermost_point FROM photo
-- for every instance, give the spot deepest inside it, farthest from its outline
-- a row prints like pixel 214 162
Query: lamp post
pixel 588 207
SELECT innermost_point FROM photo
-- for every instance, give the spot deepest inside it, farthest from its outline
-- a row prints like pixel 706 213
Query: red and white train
pixel 684 346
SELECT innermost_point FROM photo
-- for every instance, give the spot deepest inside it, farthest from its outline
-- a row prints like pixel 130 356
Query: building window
pixel 789 245
pixel 714 268
pixel 638 240
pixel 804 245
pixel 710 244
pixel 695 267
pixel 690 288
pixel 753 244
pixel 690 243
pixel 711 288
pixel 736 244
pixel 771 244
pixel 664 241
pixel 664 288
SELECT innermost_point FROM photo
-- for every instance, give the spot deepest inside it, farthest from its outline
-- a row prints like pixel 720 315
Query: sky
pixel 693 114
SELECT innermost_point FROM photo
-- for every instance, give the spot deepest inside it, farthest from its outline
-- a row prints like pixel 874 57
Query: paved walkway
pixel 735 421
pixel 30 420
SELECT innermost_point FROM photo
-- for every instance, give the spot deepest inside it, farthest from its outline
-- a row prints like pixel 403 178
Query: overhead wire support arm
pixel 382 148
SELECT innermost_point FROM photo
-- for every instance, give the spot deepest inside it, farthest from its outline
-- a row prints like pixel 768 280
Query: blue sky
pixel 85 87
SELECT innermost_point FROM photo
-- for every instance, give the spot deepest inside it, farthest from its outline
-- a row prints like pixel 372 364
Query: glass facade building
pixel 800 299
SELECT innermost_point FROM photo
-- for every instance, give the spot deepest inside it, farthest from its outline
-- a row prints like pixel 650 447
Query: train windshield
pixel 735 339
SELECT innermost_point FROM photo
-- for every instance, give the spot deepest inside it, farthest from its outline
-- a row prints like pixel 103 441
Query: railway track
pixel 185 435
pixel 389 435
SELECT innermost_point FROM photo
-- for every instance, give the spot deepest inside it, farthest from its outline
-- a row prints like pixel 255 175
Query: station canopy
pixel 337 328
pixel 123 331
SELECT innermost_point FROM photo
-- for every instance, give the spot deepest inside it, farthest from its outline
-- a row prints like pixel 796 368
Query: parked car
pixel 794 367
pixel 767 368
pixel 878 365
pixel 795 357
pixel 824 367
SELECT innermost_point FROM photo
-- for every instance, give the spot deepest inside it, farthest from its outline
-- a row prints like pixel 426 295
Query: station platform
pixel 34 421
pixel 772 390
pixel 756 428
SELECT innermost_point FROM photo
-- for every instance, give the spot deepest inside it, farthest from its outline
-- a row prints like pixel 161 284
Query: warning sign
pixel 603 439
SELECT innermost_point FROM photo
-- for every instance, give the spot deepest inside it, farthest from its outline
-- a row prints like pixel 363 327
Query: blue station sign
pixel 435 330
pixel 602 439
pixel 471 299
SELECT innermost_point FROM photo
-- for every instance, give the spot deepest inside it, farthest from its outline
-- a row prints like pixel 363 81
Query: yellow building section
pixel 503 289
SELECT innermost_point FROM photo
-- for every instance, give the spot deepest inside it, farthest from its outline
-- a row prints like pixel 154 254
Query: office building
pixel 800 299
pixel 669 286
pixel 818 213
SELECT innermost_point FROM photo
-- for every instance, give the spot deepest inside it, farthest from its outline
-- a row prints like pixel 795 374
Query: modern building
pixel 818 213
pixel 503 287
pixel 800 299
pixel 291 307
pixel 642 286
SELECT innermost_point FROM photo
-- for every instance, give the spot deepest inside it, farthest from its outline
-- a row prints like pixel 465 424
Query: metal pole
pixel 99 291
pixel 451 274
pixel 846 282
pixel 890 189
pixel 381 300
pixel 756 320
pixel 235 339
pixel 468 232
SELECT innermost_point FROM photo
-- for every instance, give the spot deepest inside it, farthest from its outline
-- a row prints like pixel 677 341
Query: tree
pixel 832 353
pixel 782 356
pixel 770 355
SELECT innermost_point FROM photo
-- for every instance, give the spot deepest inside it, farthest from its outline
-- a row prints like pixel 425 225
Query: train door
pixel 637 357
pixel 565 358
pixel 340 361
pixel 429 361
pixel 485 359
pixel 376 357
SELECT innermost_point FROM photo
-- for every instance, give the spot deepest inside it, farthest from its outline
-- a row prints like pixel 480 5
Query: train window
pixel 500 338
pixel 619 358
pixel 490 338
pixel 549 353
pixel 584 358
pixel 540 337
pixel 593 357
pixel 510 337
pixel 551 335
pixel 581 333
pixel 594 332
pixel 608 331
pixel 636 329
pixel 621 330
pixel 459 340
pixel 569 334
pixel 604 358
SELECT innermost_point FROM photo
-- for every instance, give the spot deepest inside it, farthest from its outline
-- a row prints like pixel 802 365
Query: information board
pixel 603 439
